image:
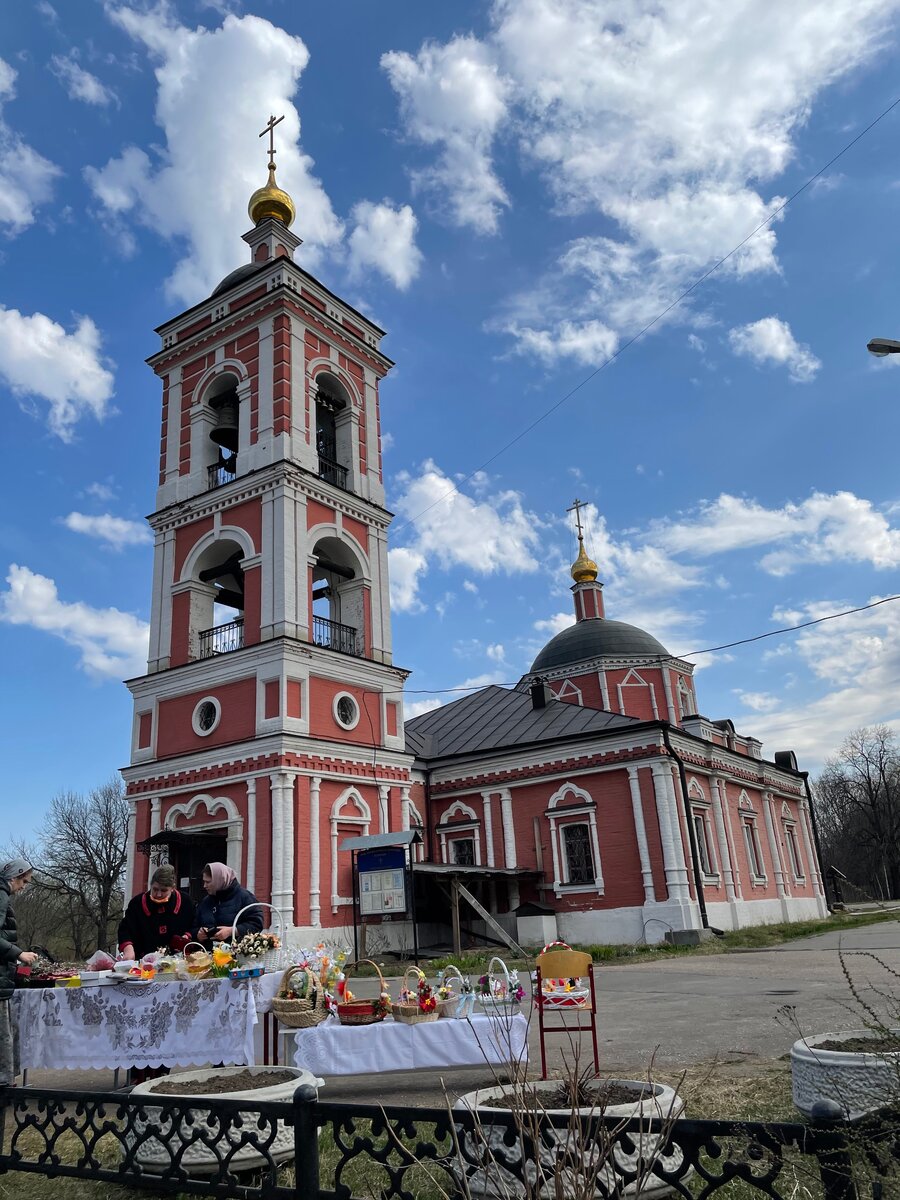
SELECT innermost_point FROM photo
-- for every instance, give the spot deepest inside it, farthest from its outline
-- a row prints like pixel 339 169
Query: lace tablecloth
pixel 158 1024
pixel 335 1049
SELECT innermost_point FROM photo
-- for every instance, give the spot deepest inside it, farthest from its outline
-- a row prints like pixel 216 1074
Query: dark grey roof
pixel 497 717
pixel 239 276
pixel 593 638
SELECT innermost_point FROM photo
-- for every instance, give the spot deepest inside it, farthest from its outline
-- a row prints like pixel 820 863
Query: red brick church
pixel 591 802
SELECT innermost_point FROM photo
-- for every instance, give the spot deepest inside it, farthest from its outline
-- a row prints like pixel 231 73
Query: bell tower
pixel 269 724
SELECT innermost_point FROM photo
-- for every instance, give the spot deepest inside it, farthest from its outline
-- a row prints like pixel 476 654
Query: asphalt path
pixel 673 1013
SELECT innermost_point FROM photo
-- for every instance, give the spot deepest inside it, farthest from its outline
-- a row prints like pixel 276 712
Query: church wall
pixel 318 514
pixel 323 723
pixel 252 604
pixel 180 650
pixel 637 697
pixel 654 838
pixel 237 722
pixel 246 516
pixel 751 889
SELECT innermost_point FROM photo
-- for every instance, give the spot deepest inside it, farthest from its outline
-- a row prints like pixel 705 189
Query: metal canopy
pixel 378 841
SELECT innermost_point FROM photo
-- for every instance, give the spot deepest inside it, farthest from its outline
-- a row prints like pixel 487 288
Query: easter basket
pixel 417 1004
pixel 499 991
pixel 459 1004
pixel 276 957
pixel 301 1001
pixel 561 993
pixel 199 962
pixel 351 1011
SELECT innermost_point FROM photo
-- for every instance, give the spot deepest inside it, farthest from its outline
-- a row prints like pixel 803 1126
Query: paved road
pixel 680 1012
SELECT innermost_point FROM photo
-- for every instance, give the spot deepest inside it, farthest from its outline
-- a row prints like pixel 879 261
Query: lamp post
pixel 881 347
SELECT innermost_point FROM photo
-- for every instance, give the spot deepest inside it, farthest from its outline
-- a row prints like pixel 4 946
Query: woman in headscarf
pixel 159 917
pixel 14 875
pixel 218 909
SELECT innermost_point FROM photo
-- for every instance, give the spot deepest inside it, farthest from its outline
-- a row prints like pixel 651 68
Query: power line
pixel 650 324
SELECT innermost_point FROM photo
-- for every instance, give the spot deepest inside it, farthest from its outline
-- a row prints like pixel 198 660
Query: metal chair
pixel 563 963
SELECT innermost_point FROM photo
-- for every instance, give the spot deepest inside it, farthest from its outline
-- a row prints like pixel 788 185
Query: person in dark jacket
pixel 159 917
pixel 14 875
pixel 218 909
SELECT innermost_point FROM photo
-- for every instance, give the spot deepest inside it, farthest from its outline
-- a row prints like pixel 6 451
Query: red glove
pixel 180 940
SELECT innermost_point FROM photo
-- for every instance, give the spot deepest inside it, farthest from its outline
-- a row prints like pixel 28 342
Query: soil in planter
pixel 861 1045
pixel 584 1096
pixel 242 1081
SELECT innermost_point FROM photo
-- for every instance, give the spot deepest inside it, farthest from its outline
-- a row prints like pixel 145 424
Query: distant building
pixel 591 801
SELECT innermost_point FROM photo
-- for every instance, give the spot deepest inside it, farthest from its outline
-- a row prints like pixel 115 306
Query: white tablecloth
pixel 161 1024
pixel 335 1049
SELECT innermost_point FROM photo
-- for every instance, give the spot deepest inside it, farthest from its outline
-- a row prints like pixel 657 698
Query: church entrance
pixel 188 853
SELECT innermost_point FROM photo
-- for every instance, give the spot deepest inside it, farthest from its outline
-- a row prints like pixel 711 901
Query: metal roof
pixel 496 717
pixel 595 638
pixel 379 841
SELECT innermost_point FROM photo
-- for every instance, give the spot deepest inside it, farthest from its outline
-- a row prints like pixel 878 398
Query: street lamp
pixel 881 347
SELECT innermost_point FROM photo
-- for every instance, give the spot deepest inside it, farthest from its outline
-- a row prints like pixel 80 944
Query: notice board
pixel 382 881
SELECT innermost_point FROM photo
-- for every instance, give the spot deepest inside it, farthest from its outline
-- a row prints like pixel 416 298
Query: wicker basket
pixel 272 960
pixel 362 1012
pixel 408 1012
pixel 498 1005
pixel 198 963
pixel 458 1006
pixel 305 1011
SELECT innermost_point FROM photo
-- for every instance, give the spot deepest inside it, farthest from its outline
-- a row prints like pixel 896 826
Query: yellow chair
pixel 558 962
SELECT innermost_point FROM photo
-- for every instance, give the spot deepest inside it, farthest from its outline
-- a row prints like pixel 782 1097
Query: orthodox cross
pixel 270 130
pixel 576 509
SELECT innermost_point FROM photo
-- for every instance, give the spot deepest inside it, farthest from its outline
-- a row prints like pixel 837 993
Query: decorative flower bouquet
pixel 417 1004
pixel 500 993
pixel 256 945
pixel 325 963
pixel 222 960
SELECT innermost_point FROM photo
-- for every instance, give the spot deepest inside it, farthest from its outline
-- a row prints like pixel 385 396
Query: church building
pixel 591 802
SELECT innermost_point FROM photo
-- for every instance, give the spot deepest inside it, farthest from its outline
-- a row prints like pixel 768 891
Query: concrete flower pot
pixel 858 1082
pixel 499 1178
pixel 171 1140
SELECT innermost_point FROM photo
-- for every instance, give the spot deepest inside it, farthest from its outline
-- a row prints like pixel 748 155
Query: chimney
pixel 540 694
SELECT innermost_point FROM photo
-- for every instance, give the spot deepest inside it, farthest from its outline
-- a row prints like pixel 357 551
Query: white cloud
pixel 469 586
pixel 415 708
pixel 555 624
pixel 760 702
pixel 115 531
pixel 212 87
pixel 79 83
pixel 384 239
pixel 406 567
pixel 100 491
pixel 38 359
pixel 769 342
pixel 454 97
pixel 587 342
pixel 495 652
pixel 26 177
pixel 112 644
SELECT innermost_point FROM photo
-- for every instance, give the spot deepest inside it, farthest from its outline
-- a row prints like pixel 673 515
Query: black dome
pixel 593 638
pixel 238 276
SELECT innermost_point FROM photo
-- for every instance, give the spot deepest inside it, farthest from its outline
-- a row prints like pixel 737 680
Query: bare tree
pixel 858 807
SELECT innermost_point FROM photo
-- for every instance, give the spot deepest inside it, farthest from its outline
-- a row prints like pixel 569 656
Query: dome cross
pixel 270 130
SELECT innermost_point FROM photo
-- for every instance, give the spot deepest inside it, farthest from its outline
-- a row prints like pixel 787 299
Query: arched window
pixel 219 613
pixel 685 699
pixel 221 448
pixel 334 423
pixel 337 597
pixel 577 854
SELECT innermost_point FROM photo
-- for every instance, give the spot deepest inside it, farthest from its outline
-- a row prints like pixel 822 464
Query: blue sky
pixel 513 190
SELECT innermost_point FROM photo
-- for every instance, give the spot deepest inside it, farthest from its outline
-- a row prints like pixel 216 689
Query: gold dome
pixel 271 201
pixel 584 569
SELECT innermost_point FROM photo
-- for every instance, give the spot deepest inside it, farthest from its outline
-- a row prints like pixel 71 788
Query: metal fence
pixel 317 1150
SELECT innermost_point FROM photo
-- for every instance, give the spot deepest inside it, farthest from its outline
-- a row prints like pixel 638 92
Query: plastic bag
pixel 100 961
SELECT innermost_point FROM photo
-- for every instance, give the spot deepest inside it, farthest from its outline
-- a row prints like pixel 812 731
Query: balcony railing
pixel 335 636
pixel 222 639
pixel 332 472
pixel 218 475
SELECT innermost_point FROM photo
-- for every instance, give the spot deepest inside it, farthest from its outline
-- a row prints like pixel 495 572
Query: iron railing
pixel 218 475
pixel 332 472
pixel 222 639
pixel 335 636
pixel 207 1146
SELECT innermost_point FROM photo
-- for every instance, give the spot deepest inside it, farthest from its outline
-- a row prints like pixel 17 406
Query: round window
pixel 206 716
pixel 346 710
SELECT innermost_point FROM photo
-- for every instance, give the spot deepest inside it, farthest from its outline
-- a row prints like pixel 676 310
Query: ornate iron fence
pixel 335 636
pixel 324 1151
pixel 222 639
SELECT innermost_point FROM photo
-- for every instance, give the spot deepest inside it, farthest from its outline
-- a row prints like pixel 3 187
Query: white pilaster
pixel 287 868
pixel 810 850
pixel 250 880
pixel 155 825
pixel 775 851
pixel 404 808
pixel 722 841
pixel 670 701
pixel 315 906
pixel 130 852
pixel 640 831
pixel 384 795
pixel 277 825
pixel 729 834
pixel 488 827
pixel 678 834
pixel 509 830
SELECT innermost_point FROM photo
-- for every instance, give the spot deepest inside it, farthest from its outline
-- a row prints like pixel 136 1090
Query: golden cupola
pixel 584 569
pixel 271 201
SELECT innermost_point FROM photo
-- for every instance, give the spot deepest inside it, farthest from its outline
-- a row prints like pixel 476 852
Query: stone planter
pixel 173 1140
pixel 499 1179
pixel 857 1082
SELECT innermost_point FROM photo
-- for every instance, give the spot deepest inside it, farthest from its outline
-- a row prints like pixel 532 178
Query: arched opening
pixel 337 597
pixel 223 443
pixel 334 421
pixel 220 615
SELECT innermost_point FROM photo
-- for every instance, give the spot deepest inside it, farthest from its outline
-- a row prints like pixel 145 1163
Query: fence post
pixel 833 1151
pixel 306 1142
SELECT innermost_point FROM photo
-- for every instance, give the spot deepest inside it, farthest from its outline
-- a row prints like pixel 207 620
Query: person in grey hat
pixel 14 876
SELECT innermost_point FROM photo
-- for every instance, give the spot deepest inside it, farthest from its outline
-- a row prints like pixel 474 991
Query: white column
pixel 640 831
pixel 404 809
pixel 250 880
pixel 287 860
pixel 384 793
pixel 129 861
pixel 234 846
pixel 277 825
pixel 670 702
pixel 315 907
pixel 729 834
pixel 774 848
pixel 810 850
pixel 595 846
pixel 722 840
pixel 604 690
pixel 155 824
pixel 488 828
pixel 509 830
pixel 678 834
pixel 662 791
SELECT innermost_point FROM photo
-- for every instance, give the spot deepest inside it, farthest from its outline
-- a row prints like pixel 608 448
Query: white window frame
pixel 566 803
pixel 753 847
pixel 563 845
pixel 450 829
pixel 794 853
pixel 705 845
pixel 471 837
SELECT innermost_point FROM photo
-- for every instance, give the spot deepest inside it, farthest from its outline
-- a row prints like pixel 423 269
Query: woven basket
pixel 302 1012
pixel 198 963
pixel 408 1011
pixel 361 1012
pixel 495 1005
pixel 272 960
pixel 458 1006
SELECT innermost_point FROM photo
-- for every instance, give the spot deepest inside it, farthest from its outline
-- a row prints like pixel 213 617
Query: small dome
pixel 271 201
pixel 595 638
pixel 238 276
pixel 584 569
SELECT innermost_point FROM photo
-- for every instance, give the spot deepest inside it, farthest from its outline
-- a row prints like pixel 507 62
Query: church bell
pixel 225 433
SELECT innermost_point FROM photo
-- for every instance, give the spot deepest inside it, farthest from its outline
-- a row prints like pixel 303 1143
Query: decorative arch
pixel 695 789
pixel 448 830
pixel 230 818
pixel 224 533
pixel 416 822
pixel 325 366
pixel 228 366
pixel 338 818
pixel 570 689
pixel 330 530
pixel 214 805
pixel 570 789
pixel 458 809
pixel 744 801
pixel 569 807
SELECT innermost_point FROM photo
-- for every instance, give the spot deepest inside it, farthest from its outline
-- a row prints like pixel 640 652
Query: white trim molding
pixel 349 795
pixel 560 815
